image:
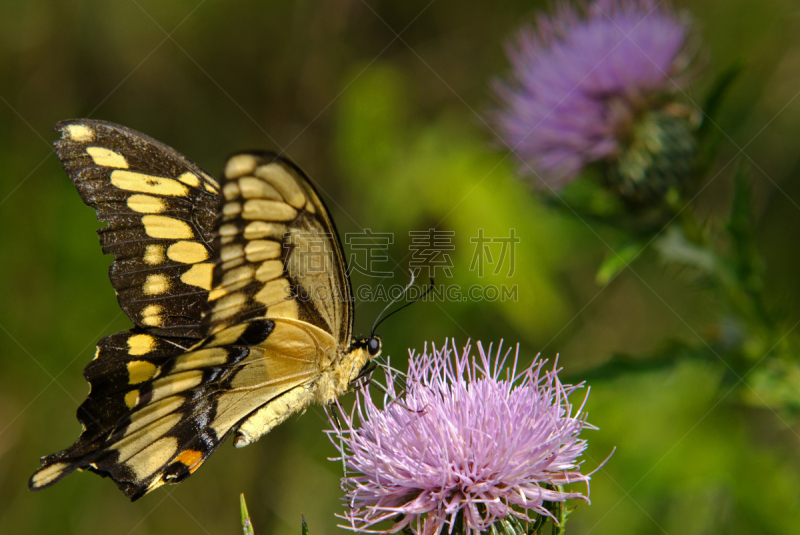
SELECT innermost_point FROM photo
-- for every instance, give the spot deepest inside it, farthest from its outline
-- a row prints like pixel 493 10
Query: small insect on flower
pixel 468 444
pixel 599 83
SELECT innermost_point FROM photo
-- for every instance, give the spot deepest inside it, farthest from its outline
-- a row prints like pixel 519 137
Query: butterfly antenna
pixel 378 321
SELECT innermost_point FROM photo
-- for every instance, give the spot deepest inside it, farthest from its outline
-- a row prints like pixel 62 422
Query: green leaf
pixel 616 261
pixel 709 134
pixel 713 100
pixel 304 527
pixel 247 526
pixel 745 267
pixel 745 256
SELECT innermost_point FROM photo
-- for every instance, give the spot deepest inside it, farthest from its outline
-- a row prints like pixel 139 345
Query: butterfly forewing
pixel 160 209
pixel 279 256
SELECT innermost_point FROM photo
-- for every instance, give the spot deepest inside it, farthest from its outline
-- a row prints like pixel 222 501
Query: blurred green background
pixel 383 104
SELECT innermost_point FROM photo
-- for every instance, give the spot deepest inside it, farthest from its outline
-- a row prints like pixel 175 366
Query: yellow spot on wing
pixel 187 252
pixel 262 229
pixel 175 383
pixel 156 284
pixel 145 204
pixel 153 411
pixel 284 309
pixel 154 254
pixel 132 398
pixel 151 315
pixel 199 275
pixel 237 278
pixel 268 210
pixel 231 209
pixel 141 344
pixel 134 443
pixel 238 261
pixel 158 185
pixel 153 457
pixel 281 180
pixel 140 371
pixel 231 252
pixel 228 335
pixel 161 226
pixel 189 179
pixel 227 306
pixel 216 293
pixel 230 190
pixel 48 474
pixel 79 133
pixel 269 270
pixel 274 292
pixel 107 158
pixel 202 358
pixel 254 188
pixel 229 229
pixel 240 165
pixel 260 250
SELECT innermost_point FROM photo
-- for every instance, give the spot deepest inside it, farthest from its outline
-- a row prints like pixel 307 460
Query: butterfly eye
pixel 373 346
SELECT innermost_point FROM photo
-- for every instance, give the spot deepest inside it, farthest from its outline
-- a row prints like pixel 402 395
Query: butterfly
pixel 240 297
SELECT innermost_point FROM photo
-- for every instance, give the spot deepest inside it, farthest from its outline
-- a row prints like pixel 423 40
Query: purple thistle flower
pixel 582 77
pixel 467 445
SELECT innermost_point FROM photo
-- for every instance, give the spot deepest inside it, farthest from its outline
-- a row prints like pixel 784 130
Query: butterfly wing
pixel 157 408
pixel 279 258
pixel 156 412
pixel 160 208
pixel 279 253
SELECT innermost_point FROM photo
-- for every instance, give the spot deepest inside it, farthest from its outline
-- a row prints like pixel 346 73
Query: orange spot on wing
pixel 191 458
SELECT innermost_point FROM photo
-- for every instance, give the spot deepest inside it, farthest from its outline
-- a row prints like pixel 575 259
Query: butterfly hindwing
pixel 124 363
pixel 160 209
pixel 155 411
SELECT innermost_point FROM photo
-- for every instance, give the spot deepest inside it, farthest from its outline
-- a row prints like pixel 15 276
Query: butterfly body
pixel 240 299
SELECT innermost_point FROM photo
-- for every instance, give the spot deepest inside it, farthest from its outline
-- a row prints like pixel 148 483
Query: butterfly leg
pixel 365 373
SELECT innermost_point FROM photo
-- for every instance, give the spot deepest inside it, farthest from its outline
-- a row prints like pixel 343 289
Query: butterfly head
pixel 369 347
pixel 355 364
pixel 374 345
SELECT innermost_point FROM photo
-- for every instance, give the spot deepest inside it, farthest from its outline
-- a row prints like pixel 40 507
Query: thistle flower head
pixel 466 445
pixel 583 77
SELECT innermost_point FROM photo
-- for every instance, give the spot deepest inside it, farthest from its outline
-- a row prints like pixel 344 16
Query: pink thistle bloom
pixel 583 76
pixel 467 445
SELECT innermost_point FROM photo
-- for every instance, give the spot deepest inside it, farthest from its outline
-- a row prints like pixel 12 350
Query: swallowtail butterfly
pixel 240 298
